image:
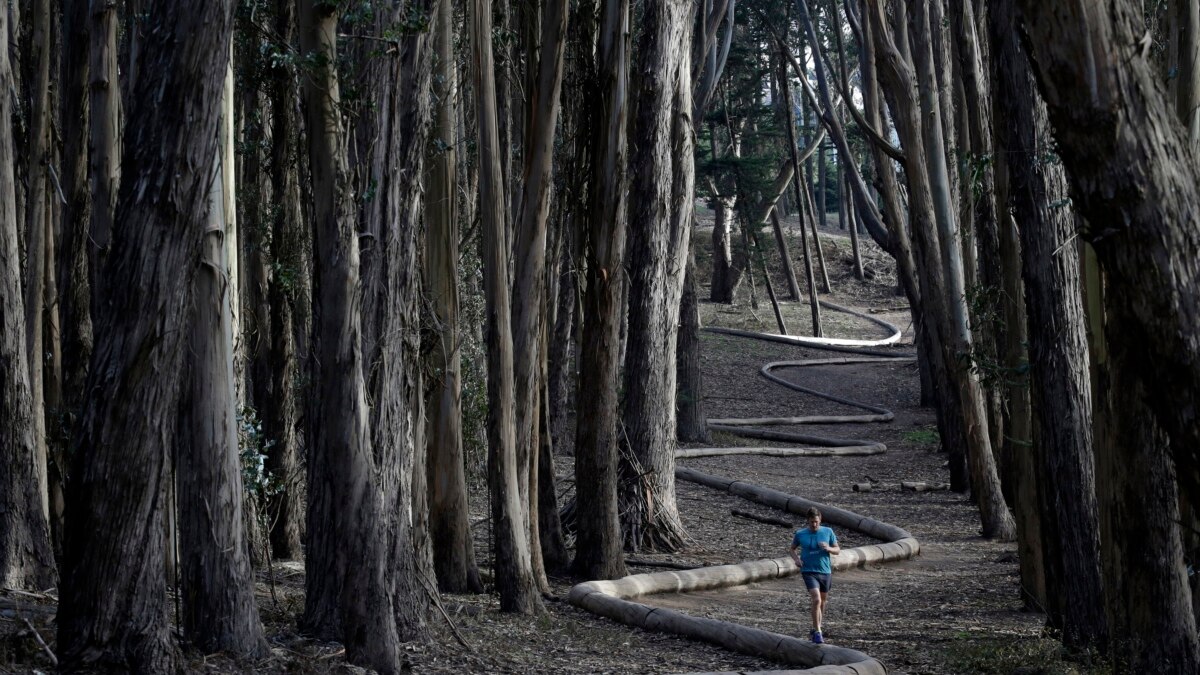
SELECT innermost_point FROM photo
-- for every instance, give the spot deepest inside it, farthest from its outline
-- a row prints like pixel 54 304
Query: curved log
pixel 615 599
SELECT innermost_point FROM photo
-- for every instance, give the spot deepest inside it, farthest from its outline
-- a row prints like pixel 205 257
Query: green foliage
pixel 253 445
pixel 923 436
pixel 1039 656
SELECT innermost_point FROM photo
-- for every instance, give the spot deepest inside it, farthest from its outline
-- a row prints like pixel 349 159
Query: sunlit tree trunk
pixel 38 231
pixel 533 210
pixel 513 568
pixel 215 579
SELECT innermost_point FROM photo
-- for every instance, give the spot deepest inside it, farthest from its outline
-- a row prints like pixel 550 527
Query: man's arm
pixel 792 552
pixel 834 548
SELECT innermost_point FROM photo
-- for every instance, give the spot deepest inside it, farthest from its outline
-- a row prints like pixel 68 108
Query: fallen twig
pixel 433 596
pixel 762 519
pixel 40 641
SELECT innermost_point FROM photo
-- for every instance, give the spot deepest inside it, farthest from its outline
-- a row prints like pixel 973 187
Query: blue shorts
pixel 816 580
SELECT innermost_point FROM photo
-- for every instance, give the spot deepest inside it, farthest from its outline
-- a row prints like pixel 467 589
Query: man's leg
pixel 815 596
pixel 821 611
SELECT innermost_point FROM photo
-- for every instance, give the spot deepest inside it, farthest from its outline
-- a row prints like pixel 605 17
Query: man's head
pixel 813 518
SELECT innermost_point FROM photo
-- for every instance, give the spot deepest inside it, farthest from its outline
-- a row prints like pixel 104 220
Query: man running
pixel 815 544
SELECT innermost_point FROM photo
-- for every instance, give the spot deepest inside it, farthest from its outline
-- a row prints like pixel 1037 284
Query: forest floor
pixel 953 609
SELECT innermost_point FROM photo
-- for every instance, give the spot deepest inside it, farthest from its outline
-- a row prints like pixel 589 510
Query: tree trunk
pixel 1137 191
pixel 450 528
pixel 726 275
pixel 346 510
pixel 113 612
pixel 660 194
pixel 279 411
pixel 848 208
pixel 37 232
pixel 398 429
pixel 533 211
pixel 26 560
pixel 985 481
pixel 597 527
pixel 215 580
pixel 104 160
pixel 513 571
pixel 691 424
pixel 1058 346
pixel 956 391
pixel 73 272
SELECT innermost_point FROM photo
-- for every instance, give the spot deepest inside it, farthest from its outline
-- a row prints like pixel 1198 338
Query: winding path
pixel 615 599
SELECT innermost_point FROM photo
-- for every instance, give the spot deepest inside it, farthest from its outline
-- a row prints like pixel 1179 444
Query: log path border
pixel 615 599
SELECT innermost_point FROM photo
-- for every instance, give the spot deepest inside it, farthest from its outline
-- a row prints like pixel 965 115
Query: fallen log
pixel 862 487
pixel 852 450
pixel 669 564
pixel 917 486
pixel 791 437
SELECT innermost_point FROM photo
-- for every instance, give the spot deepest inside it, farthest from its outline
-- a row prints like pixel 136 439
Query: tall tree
pixel 398 417
pixel 660 220
pixel 38 231
pixel 215 578
pixel 529 256
pixel 919 128
pixel 26 561
pixel 449 526
pixel 1138 192
pixel 598 534
pixel 113 611
pixel 104 158
pixel 1069 528
pixel 513 567
pixel 345 512
pixel 279 411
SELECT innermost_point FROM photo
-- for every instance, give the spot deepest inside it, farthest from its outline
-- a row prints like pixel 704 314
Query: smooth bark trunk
pixel 345 509
pixel 215 580
pixel 449 526
pixel 513 568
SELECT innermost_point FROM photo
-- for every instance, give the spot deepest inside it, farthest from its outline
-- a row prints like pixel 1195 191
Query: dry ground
pixel 955 609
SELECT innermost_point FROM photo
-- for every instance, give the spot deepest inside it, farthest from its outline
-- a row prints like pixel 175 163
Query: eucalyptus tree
pixel 598 528
pixel 1138 193
pixel 1065 529
pixel 449 525
pixel 26 561
pixel 113 610
pixel 931 218
pixel 513 567
pixel 661 197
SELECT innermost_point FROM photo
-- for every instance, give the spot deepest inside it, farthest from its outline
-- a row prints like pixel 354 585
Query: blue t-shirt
pixel 813 557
